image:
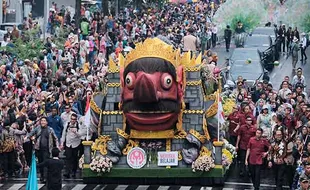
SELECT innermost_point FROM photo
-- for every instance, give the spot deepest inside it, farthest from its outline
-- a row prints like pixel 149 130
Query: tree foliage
pixel 30 45
pixel 305 23
pixel 26 47
pixel 250 12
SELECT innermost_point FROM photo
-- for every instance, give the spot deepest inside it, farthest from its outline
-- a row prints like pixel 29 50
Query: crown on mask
pixel 156 48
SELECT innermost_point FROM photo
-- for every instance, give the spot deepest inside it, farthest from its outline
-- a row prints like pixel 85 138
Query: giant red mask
pixel 151 95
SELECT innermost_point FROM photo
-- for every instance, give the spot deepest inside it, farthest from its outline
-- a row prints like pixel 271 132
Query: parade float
pixel 156 121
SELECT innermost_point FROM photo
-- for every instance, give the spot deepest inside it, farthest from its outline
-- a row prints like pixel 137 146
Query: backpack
pixel 77 126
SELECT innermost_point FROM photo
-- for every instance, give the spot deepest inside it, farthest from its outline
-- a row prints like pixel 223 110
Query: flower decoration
pixel 228 104
pixel 81 162
pixel 230 148
pixel 151 148
pixel 152 145
pixel 227 158
pixel 203 163
pixel 101 164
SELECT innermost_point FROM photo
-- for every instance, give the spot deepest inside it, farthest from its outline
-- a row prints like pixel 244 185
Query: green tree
pixel 31 45
pixel 305 23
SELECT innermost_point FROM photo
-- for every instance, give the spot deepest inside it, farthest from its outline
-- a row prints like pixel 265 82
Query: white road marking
pixel 163 187
pixel 62 186
pixel 1 185
pixel 79 187
pixel 16 186
pixel 21 179
pixel 206 188
pixel 100 187
pixel 40 185
pixel 273 75
pixel 142 187
pixel 121 187
pixel 250 184
pixel 185 187
pixel 225 188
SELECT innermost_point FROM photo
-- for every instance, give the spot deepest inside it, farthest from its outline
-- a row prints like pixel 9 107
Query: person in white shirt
pixel 298 78
pixel 65 116
pixel 303 44
pixel 284 90
pixel 71 141
pixel 5 42
pixel 87 14
pixel 214 35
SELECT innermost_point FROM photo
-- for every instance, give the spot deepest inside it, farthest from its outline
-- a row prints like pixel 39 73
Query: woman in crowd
pixel 264 122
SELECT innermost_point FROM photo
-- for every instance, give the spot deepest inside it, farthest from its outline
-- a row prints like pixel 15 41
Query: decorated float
pixel 157 121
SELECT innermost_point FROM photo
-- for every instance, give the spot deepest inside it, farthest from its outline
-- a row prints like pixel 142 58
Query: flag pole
pixel 87 132
pixel 218 101
pixel 218 119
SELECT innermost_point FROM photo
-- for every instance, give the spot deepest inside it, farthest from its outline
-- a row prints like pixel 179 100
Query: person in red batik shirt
pixel 244 134
pixel 246 112
pixel 233 119
pixel 256 151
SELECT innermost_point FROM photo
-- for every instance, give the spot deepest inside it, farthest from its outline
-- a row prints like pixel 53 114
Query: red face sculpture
pixel 151 96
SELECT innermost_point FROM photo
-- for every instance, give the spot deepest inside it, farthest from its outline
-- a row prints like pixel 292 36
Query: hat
pixel 265 107
pixel 303 34
pixel 303 180
pixel 295 39
pixel 27 60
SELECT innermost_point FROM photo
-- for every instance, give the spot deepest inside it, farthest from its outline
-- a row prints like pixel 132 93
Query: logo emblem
pixel 136 158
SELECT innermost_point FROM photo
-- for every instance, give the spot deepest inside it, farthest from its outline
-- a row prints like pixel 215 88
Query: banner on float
pixel 167 158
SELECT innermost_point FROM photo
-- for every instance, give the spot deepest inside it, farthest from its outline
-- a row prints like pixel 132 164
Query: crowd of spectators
pixel 44 98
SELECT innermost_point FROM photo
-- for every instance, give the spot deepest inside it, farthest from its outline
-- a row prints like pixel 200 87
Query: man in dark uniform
pixel 227 36
pixel 54 167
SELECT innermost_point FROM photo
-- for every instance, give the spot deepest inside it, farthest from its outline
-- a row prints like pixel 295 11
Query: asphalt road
pixel 78 185
pixel 278 73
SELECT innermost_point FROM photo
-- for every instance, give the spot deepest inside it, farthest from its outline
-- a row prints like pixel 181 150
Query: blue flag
pixel 32 182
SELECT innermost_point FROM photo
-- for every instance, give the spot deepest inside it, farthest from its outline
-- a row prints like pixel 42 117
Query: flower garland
pixel 203 163
pixel 101 164
pixel 227 158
